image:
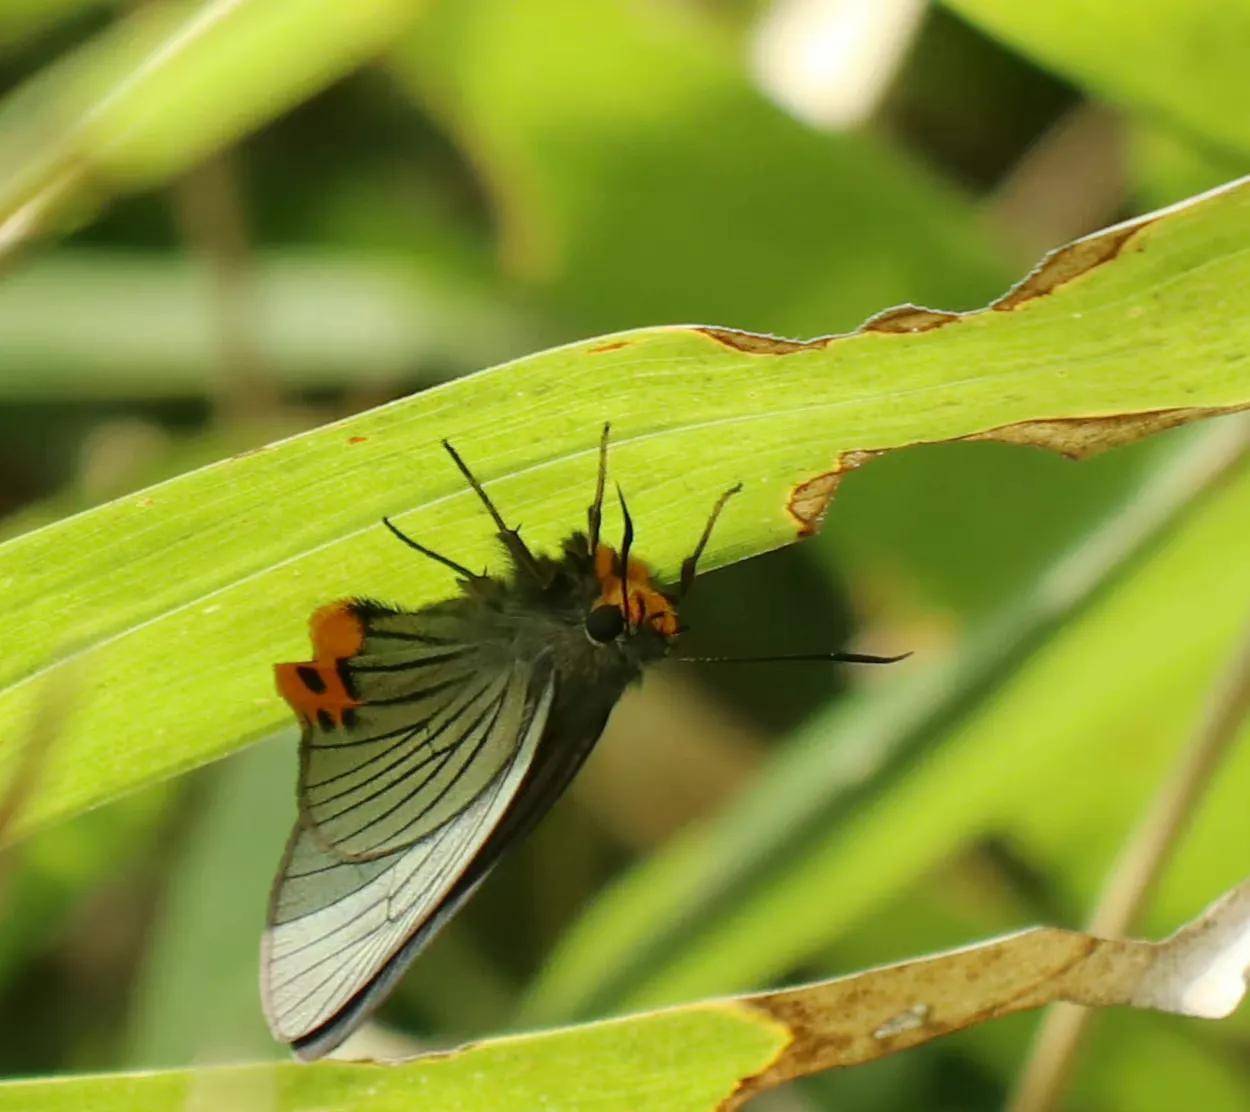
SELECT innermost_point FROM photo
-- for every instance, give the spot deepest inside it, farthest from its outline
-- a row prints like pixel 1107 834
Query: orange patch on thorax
pixel 647 606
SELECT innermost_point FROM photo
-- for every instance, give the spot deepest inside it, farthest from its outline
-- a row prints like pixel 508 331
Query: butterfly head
pixel 628 603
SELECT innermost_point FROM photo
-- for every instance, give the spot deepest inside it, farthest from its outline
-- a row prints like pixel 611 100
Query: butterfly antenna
pixel 691 562
pixel 594 515
pixel 459 569
pixel 627 541
pixel 837 658
pixel 511 537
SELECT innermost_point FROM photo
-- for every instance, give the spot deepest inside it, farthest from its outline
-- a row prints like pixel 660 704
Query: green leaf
pixel 168 607
pixel 167 86
pixel 686 1061
pixel 1181 62
pixel 718 1054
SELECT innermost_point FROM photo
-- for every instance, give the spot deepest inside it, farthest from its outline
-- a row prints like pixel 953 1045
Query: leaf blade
pixel 174 601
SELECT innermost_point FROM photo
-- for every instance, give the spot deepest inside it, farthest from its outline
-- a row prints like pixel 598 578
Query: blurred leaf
pixel 718 1054
pixel 969 897
pixel 196 998
pixel 23 19
pixel 1179 62
pixel 55 870
pixel 1077 838
pixel 167 86
pixel 1165 168
pixel 854 753
pixel 967 103
pixel 638 176
pixel 192 589
pixel 1147 1063
pixel 969 527
pixel 1094 715
pixel 145 327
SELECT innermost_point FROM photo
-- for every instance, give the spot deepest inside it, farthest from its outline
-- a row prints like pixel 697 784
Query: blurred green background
pixel 310 213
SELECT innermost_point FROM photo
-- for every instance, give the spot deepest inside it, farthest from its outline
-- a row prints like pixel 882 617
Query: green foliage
pixel 272 534
pixel 1125 704
pixel 426 189
pixel 1174 61
pixel 684 1061
pixel 819 230
pixel 169 85
pixel 147 330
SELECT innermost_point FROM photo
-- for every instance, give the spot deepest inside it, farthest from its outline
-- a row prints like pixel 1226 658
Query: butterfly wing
pixel 398 801
pixel 432 722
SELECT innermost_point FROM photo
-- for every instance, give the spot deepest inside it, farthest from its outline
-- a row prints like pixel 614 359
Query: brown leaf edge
pixel 1074 437
pixel 810 500
pixel 1198 971
pixel 1057 268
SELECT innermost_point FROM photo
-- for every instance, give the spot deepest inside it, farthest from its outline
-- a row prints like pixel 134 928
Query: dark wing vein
pixel 468 697
pixel 455 653
pixel 441 794
pixel 445 752
pixel 390 787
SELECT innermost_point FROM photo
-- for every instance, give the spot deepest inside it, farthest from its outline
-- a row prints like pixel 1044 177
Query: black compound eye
pixel 604 624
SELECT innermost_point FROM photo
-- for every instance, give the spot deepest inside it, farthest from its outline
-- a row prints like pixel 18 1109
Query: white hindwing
pixel 335 923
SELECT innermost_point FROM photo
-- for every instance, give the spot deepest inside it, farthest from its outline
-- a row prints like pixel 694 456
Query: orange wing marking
pixel 316 689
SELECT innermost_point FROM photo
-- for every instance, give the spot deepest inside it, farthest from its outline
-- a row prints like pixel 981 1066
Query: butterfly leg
pixel 510 537
pixel 691 562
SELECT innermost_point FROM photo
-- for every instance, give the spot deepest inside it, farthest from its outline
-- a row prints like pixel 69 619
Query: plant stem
pixel 1137 872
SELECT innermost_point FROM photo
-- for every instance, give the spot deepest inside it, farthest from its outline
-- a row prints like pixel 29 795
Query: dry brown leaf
pixel 1198 971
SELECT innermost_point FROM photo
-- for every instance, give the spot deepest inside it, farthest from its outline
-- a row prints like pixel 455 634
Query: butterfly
pixel 434 739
